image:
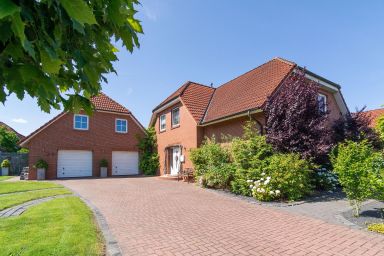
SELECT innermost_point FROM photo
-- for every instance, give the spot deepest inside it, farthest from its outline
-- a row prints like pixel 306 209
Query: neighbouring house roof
pixel 104 103
pixel 374 115
pixel 9 128
pixel 248 91
pixel 101 102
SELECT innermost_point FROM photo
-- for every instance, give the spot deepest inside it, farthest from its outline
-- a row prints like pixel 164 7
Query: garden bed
pixel 370 214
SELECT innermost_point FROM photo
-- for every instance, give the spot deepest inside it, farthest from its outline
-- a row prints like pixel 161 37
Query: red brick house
pixel 195 111
pixel 74 144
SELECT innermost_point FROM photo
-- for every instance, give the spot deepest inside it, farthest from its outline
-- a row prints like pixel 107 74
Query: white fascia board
pixel 169 104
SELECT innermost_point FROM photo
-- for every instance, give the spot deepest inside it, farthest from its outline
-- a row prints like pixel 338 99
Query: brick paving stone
pixel 150 216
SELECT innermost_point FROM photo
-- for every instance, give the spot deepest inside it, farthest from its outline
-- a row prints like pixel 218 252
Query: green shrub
pixel 287 176
pixel 380 127
pixel 103 163
pixel 358 168
pixel 218 177
pixel 208 156
pixel 149 158
pixel 240 184
pixel 5 163
pixel 249 154
pixel 324 180
pixel 41 164
pixel 378 227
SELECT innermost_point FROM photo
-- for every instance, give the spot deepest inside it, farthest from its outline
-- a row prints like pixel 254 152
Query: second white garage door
pixel 125 163
pixel 74 163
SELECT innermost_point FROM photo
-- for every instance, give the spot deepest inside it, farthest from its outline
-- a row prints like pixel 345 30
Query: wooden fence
pixel 18 161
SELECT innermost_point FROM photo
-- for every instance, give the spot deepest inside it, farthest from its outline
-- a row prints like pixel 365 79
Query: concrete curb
pixel 19 209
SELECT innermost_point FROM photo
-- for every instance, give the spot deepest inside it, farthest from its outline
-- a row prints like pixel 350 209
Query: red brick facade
pixel 100 138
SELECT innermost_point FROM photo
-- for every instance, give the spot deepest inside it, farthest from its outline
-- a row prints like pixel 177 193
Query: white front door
pixel 175 164
pixel 125 163
pixel 74 163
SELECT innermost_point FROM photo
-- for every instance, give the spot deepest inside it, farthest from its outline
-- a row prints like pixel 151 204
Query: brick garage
pixel 100 139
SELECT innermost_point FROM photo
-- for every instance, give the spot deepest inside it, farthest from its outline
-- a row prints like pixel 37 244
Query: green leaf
pixel 29 48
pixel 7 7
pixel 79 11
pixel 50 65
pixel 18 27
pixel 135 24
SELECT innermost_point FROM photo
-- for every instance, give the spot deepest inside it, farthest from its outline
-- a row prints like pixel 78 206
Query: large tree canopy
pixel 58 51
pixel 294 122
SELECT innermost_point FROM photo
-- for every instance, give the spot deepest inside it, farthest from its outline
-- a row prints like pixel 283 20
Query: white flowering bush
pixel 325 180
pixel 263 189
pixel 287 177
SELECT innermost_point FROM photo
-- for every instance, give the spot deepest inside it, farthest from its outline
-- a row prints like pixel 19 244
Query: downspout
pixel 254 119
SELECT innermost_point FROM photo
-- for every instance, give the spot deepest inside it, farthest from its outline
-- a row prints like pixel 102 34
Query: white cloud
pixel 150 14
pixel 19 120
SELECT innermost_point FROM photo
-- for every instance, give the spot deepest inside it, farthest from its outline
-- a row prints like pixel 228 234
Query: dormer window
pixel 322 103
pixel 163 123
pixel 80 122
pixel 175 117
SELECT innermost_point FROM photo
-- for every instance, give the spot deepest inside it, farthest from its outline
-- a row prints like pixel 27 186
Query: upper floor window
pixel 121 126
pixel 322 102
pixel 80 122
pixel 163 123
pixel 175 117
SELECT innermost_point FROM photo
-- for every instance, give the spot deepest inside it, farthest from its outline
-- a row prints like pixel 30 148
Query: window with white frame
pixel 322 103
pixel 80 122
pixel 163 124
pixel 175 117
pixel 121 126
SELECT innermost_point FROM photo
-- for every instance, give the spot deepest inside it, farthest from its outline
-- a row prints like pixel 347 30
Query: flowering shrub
pixel 289 174
pixel 249 155
pixel 263 189
pixel 325 180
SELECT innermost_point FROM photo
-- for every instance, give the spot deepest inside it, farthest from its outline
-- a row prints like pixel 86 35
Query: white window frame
pixel 325 101
pixel 175 125
pixel 74 122
pixel 165 122
pixel 126 125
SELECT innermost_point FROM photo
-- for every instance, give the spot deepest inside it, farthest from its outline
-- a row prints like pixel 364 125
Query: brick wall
pixel 101 139
pixel 185 135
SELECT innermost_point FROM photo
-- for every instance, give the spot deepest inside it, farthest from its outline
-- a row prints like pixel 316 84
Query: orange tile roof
pixel 196 98
pixel 374 115
pixel 104 103
pixel 248 91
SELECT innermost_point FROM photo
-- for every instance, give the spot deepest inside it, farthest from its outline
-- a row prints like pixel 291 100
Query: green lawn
pixel 62 226
pixel 19 186
pixel 5 177
pixel 10 200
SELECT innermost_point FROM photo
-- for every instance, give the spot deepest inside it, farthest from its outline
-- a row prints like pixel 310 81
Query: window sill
pixel 175 126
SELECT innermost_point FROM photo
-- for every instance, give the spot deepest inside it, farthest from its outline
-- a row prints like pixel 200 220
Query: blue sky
pixel 213 41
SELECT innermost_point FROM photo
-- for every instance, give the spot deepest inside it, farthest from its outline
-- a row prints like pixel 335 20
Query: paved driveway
pixel 150 216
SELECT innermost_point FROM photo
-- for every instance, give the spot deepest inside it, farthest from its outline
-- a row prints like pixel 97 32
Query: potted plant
pixel 103 168
pixel 5 165
pixel 41 167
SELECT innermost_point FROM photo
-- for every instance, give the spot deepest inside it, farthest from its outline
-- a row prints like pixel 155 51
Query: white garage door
pixel 74 163
pixel 125 163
